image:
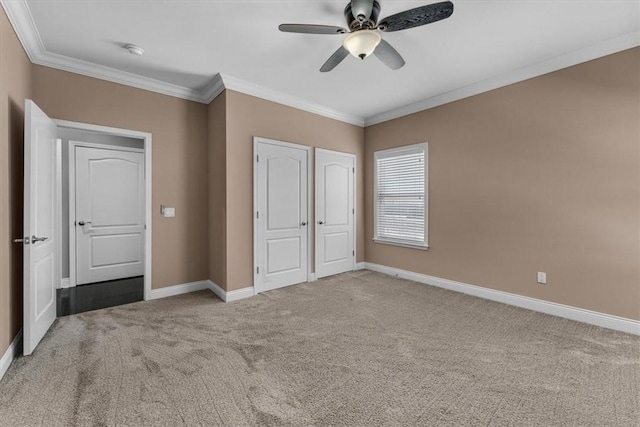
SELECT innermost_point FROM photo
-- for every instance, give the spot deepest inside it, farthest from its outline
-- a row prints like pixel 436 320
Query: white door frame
pixel 147 138
pixel 73 281
pixel 355 207
pixel 259 140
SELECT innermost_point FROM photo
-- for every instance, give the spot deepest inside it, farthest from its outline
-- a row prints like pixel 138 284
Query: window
pixel 400 191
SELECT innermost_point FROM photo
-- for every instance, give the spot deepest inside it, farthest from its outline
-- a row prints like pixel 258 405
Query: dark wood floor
pixel 94 296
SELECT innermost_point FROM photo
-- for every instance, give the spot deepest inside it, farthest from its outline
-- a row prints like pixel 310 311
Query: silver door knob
pixel 81 223
pixel 320 222
pixel 35 239
pixel 304 223
pixel 22 240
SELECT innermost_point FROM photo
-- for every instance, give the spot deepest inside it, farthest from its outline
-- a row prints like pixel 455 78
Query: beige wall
pixel 218 191
pixel 180 159
pixel 247 117
pixel 15 86
pixel 543 175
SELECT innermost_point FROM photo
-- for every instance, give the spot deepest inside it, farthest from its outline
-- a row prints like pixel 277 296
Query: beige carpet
pixel 357 349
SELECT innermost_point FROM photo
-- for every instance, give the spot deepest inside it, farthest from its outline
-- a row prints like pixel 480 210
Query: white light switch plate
pixel 167 211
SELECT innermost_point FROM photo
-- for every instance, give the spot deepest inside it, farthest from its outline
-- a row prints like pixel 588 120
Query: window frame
pixel 422 147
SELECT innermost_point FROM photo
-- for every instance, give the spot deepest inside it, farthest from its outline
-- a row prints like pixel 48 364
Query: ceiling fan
pixel 364 30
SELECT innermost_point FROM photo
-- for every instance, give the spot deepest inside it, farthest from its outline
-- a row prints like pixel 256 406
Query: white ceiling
pixel 188 42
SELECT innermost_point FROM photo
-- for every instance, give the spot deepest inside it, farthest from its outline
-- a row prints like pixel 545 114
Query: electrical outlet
pixel 542 277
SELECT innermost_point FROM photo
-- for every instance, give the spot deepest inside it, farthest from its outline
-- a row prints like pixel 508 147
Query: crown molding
pixel 213 89
pixel 65 63
pixel 258 91
pixel 608 47
pixel 22 22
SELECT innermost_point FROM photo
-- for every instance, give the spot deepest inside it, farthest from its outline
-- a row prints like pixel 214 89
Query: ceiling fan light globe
pixel 362 43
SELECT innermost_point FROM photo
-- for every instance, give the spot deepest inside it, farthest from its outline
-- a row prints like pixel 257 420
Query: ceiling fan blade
pixel 311 29
pixel 416 17
pixel 389 56
pixel 361 9
pixel 334 59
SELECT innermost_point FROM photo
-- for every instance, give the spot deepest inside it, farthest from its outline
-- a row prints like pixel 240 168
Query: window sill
pixel 404 245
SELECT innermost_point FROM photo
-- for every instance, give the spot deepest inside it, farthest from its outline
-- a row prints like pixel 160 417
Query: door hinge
pixel 145 226
pixel 257 270
pixel 353 211
pixel 257 214
pixel 257 158
pixel 353 253
pixel 353 170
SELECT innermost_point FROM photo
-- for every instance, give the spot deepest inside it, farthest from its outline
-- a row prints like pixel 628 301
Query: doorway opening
pixel 105 238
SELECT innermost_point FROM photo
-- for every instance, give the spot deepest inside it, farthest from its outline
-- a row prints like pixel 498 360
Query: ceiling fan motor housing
pixel 355 24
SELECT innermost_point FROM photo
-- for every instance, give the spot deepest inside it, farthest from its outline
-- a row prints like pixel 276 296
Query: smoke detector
pixel 134 50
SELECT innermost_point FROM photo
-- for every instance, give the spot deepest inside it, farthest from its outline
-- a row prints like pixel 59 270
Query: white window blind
pixel 401 195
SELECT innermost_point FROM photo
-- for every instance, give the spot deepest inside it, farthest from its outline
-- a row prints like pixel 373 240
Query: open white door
pixel 281 230
pixel 42 154
pixel 335 212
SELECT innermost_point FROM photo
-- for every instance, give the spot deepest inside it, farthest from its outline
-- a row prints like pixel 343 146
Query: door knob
pixel 304 223
pixel 25 240
pixel 35 239
pixel 83 222
pixel 320 222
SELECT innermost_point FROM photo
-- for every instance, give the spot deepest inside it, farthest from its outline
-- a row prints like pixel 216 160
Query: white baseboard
pixel 65 283
pixel 185 288
pixel 231 296
pixel 10 354
pixel 568 312
pixel 221 293
pixel 239 294
pixel 359 266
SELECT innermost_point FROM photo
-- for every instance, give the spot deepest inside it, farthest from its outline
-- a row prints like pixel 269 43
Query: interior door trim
pixel 355 206
pixel 148 141
pixel 310 159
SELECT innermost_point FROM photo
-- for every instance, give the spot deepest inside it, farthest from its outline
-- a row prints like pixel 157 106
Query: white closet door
pixel 109 214
pixel 335 212
pixel 281 215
